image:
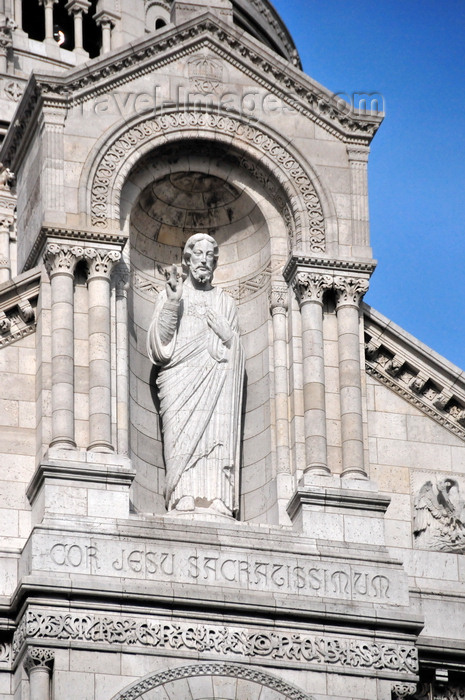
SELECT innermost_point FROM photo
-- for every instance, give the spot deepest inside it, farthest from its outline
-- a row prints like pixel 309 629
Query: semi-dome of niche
pixel 186 192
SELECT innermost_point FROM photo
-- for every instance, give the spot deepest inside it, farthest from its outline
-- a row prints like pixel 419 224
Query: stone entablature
pixel 412 370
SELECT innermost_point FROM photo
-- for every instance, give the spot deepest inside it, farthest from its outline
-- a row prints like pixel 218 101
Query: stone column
pixel 101 263
pixel 309 288
pixel 38 664
pixel 122 363
pixel 349 294
pixel 279 307
pixel 358 160
pixel 77 8
pixel 19 14
pixel 106 21
pixel 61 262
pixel 48 9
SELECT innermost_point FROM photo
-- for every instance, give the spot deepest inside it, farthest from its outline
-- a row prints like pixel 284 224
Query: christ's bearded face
pixel 201 263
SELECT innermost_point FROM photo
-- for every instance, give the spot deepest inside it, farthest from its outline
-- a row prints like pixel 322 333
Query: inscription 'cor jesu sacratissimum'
pixel 266 573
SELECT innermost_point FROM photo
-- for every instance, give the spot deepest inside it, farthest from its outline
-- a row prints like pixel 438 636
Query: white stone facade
pixel 342 576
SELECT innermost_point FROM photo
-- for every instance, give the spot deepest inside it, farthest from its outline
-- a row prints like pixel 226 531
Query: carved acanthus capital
pixel 60 259
pixel 310 286
pixel 279 299
pixel 38 657
pixel 101 262
pixel 350 290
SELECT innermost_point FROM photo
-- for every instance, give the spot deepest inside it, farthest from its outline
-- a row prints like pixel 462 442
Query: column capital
pixel 350 290
pixel 278 297
pixel 310 286
pixel 38 657
pixel 77 6
pixel 358 153
pixel 62 259
pixel 48 3
pixel 101 262
pixel 403 690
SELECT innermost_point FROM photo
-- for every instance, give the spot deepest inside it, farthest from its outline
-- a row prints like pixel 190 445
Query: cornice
pixel 17 306
pixel 80 236
pixel 412 370
pixel 296 261
pixel 265 67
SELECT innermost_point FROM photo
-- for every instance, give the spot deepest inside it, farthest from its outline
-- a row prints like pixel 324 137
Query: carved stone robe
pixel 200 389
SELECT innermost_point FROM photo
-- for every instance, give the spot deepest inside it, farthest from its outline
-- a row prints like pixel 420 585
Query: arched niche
pixel 174 191
pixel 212 681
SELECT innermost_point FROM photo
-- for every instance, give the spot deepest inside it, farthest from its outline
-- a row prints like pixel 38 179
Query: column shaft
pixel 5 265
pixel 106 36
pixel 63 360
pixel 100 265
pixel 309 288
pixel 39 683
pixel 279 307
pixel 78 43
pixel 61 262
pixel 349 294
pixel 19 14
pixel 122 367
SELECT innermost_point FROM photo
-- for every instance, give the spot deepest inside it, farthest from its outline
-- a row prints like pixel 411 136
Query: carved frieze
pixel 289 648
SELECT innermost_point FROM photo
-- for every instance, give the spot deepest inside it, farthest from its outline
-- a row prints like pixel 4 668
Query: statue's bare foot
pixel 219 506
pixel 186 504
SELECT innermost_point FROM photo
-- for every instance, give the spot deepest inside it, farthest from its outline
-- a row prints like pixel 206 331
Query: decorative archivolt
pixel 250 678
pixel 111 170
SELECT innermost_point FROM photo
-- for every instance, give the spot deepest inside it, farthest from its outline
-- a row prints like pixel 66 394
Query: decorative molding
pixel 310 650
pixel 241 291
pixel 104 195
pixel 419 378
pixel 65 236
pixel 246 673
pixel 298 260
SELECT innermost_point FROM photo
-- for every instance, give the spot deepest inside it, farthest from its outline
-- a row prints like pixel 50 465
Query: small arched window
pixel 159 24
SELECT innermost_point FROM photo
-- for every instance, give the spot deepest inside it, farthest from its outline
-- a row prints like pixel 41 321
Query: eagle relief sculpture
pixel 194 339
pixel 439 518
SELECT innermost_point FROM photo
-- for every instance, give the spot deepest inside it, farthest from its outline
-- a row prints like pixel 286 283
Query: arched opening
pixel 177 191
pixel 159 24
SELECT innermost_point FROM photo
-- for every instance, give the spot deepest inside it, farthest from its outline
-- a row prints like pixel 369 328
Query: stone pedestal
pixel 78 483
pixel 341 510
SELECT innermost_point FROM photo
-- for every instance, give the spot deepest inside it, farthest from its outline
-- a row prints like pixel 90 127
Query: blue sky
pixel 413 53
